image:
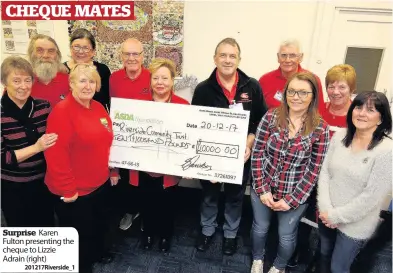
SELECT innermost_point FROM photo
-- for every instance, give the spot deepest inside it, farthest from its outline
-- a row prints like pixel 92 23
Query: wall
pixel 255 25
pixel 258 26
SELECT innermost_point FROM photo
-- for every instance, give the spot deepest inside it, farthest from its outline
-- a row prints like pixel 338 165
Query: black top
pixel 104 72
pixel 248 92
pixel 21 128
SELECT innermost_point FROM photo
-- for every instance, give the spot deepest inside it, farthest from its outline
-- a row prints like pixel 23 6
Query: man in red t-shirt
pixel 130 82
pixel 289 57
pixel 51 80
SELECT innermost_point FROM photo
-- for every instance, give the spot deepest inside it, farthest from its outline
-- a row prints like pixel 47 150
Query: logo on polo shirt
pixel 62 97
pixel 104 122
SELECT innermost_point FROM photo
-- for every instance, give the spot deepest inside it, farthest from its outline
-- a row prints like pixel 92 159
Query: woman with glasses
pixel 350 194
pixel 83 46
pixel 78 172
pixel 289 148
pixel 25 200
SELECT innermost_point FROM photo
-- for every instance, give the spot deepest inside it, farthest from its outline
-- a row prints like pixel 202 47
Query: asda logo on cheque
pixel 124 116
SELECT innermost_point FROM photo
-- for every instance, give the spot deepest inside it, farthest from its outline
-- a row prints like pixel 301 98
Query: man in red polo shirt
pixel 133 80
pixel 289 57
pixel 130 82
pixel 51 81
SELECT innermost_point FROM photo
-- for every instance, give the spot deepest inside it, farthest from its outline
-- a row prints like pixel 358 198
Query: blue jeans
pixel 288 222
pixel 337 249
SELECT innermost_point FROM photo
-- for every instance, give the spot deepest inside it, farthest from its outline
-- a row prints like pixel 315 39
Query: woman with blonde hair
pixel 157 190
pixel 289 148
pixel 78 173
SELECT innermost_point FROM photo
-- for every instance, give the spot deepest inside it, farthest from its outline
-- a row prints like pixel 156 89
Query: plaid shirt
pixel 288 168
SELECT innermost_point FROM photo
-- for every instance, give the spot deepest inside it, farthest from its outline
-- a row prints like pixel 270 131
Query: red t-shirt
pixel 79 161
pixel 54 92
pixel 121 86
pixel 274 82
pixel 229 94
pixel 334 121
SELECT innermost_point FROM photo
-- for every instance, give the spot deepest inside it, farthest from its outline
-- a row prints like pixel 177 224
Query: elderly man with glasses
pixel 133 80
pixel 51 81
pixel 130 82
pixel 289 57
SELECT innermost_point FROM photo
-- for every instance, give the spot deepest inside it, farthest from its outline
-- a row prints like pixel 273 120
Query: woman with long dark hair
pixel 355 177
pixel 290 146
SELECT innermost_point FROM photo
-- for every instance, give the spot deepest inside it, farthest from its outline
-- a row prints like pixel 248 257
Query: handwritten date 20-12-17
pixel 214 126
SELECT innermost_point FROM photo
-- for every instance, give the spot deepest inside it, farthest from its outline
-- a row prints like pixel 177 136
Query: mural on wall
pixel 158 25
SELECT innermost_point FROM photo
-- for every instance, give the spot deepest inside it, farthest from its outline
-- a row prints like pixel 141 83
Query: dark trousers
pixel 27 204
pixel 126 197
pixel 233 205
pixel 90 216
pixel 157 206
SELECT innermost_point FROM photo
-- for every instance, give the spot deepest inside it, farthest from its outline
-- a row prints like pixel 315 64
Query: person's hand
pixel 214 182
pixel 247 154
pixel 70 199
pixel 325 220
pixel 46 141
pixel 114 180
pixel 280 205
pixel 267 199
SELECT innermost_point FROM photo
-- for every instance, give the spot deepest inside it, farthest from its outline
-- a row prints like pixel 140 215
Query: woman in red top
pixel 78 171
pixel 157 190
pixel 340 83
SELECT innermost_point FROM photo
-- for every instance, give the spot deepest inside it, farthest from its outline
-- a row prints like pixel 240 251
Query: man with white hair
pixel 51 81
pixel 289 57
pixel 130 82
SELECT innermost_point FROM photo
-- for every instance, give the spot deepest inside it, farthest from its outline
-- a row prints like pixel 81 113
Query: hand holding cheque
pixel 183 140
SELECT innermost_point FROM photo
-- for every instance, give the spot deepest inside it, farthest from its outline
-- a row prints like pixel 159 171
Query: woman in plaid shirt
pixel 290 145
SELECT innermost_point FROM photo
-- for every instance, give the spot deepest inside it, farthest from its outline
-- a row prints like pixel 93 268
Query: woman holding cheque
pixel 290 145
pixel 78 172
pixel 350 194
pixel 156 189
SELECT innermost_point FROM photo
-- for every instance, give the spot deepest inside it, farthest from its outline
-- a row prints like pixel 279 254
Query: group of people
pixel 302 154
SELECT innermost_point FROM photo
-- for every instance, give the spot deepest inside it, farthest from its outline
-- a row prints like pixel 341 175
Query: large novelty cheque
pixel 176 139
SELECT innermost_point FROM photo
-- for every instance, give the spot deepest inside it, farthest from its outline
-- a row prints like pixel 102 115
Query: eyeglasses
pixel 301 94
pixel 292 56
pixel 127 55
pixel 84 49
pixel 41 51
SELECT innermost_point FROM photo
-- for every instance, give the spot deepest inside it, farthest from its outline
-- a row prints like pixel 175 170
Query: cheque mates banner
pixel 182 140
